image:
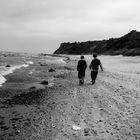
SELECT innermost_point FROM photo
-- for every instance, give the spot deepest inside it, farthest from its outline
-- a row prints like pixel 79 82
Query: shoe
pixel 93 82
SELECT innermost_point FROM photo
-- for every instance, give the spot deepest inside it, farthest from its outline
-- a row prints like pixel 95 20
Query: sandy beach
pixel 108 110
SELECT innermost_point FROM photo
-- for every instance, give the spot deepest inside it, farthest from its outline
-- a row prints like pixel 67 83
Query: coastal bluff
pixel 127 45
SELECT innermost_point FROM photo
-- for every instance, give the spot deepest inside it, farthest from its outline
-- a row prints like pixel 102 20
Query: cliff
pixel 128 45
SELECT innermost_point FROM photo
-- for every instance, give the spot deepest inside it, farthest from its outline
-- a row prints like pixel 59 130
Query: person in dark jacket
pixel 94 66
pixel 81 68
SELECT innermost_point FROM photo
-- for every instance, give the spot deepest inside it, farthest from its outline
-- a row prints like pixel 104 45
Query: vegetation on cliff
pixel 128 45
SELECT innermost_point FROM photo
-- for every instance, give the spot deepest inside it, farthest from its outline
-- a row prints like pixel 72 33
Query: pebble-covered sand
pixel 108 110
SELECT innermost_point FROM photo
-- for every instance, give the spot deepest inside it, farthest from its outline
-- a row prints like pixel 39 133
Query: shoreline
pixel 10 70
pixel 26 110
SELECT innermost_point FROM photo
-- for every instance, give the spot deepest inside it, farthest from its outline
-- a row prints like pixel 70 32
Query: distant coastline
pixel 127 45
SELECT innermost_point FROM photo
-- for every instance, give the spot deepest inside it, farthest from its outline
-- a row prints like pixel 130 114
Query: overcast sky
pixel 41 25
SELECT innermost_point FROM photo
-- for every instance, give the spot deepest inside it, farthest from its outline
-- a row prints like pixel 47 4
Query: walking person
pixel 81 68
pixel 94 66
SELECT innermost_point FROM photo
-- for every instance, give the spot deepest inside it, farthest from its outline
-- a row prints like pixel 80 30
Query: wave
pixel 2 80
pixel 5 71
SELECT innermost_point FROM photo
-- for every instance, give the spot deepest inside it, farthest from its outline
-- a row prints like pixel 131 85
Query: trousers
pixel 81 76
pixel 81 81
pixel 93 76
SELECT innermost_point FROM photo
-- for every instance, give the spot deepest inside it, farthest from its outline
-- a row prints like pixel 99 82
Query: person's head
pixel 94 56
pixel 82 57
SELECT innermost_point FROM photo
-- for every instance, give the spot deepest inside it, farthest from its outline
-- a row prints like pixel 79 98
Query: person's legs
pixel 81 76
pixel 93 76
pixel 82 80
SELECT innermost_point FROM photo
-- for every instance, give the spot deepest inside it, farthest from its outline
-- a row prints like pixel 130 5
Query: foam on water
pixel 2 80
pixel 61 60
pixel 5 71
pixel 29 62
pixel 55 61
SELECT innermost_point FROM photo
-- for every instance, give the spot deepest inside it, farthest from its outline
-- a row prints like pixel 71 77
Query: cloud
pixel 65 20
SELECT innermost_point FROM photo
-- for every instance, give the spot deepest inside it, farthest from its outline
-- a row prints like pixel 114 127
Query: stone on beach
pixel 51 70
pixel 44 82
pixel 43 64
pixel 8 66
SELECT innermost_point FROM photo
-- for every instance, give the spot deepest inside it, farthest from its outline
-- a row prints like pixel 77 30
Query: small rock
pixel 51 70
pixel 44 82
pixel 43 64
pixel 7 66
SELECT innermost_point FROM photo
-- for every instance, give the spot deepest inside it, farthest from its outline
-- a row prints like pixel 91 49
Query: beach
pixel 63 110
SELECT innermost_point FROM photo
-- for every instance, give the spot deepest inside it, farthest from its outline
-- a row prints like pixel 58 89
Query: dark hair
pixel 94 55
pixel 82 57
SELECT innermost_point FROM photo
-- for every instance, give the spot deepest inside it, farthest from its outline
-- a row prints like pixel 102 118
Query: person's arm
pixel 101 66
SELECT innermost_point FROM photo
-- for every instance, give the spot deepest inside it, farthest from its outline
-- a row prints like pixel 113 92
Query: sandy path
pixel 108 110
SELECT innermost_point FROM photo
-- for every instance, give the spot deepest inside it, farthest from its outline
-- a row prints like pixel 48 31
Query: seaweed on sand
pixel 30 97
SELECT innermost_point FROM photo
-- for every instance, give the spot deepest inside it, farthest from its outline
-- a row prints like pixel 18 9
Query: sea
pixel 9 62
